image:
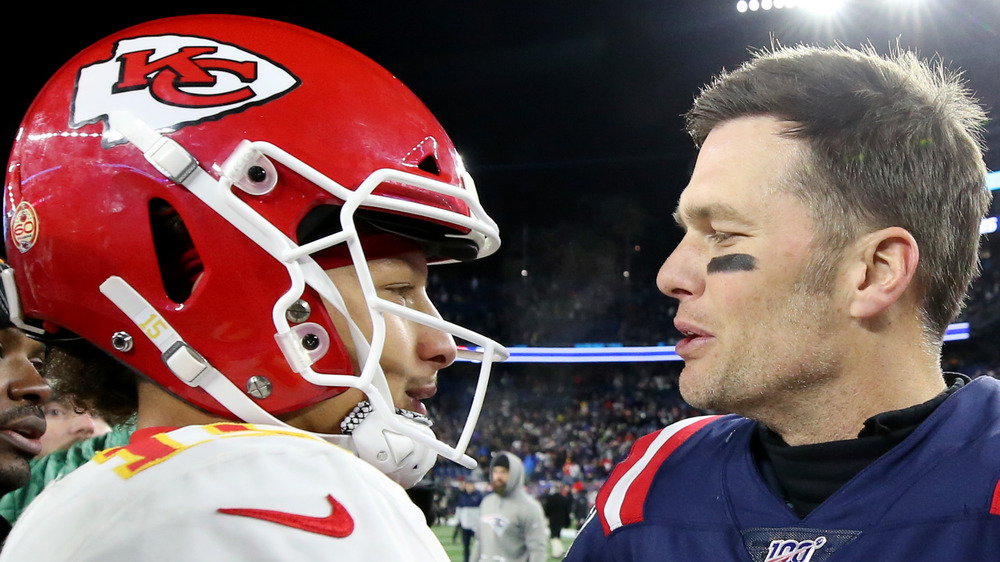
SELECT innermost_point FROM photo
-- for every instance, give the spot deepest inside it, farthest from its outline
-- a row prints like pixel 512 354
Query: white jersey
pixel 223 492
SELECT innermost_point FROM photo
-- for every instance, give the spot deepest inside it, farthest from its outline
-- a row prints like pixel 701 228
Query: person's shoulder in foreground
pixel 249 482
pixel 831 230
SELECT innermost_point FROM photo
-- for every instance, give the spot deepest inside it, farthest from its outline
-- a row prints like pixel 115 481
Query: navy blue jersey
pixel 692 492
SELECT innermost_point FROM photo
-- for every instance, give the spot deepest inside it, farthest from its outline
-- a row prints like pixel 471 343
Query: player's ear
pixel 881 270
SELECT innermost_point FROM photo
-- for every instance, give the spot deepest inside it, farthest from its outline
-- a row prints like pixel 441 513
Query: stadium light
pixel 818 6
pixel 988 226
pixel 821 6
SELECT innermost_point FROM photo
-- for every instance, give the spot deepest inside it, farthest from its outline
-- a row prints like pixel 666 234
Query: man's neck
pixel 837 409
pixel 159 408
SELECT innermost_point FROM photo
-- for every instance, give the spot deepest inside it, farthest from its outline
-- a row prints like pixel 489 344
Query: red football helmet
pixel 171 185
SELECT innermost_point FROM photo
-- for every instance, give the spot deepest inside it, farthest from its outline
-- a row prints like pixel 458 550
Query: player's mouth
pixel 694 341
pixel 23 434
pixel 415 397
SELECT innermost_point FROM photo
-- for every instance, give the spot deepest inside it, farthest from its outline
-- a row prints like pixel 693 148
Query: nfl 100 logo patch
pixel 792 544
pixel 793 551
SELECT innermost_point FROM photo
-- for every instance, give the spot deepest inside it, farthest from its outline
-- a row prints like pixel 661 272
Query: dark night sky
pixel 567 113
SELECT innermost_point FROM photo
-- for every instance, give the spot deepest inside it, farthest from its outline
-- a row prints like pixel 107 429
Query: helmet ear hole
pixel 429 165
pixel 178 259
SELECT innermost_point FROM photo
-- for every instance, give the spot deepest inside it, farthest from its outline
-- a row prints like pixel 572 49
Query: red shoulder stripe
pixel 637 451
pixel 622 498
pixel 995 504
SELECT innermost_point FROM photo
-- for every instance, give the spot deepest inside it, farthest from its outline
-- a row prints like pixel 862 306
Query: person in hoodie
pixel 511 523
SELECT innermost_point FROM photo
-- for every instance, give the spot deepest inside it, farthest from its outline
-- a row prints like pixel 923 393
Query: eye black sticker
pixel 732 262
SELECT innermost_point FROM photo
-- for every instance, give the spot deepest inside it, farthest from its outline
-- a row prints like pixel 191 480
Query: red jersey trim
pixel 622 498
pixel 995 504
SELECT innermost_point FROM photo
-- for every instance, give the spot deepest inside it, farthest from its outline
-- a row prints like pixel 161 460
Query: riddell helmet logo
pixel 170 81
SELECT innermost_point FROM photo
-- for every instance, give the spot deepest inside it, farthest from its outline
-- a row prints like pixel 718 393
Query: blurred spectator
pixel 467 514
pixel 558 507
pixel 581 505
pixel 67 423
pixel 511 522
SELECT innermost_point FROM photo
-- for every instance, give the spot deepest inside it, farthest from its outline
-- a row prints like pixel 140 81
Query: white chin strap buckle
pixel 401 458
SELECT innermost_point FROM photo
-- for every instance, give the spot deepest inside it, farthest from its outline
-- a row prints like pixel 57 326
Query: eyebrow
pixel 704 213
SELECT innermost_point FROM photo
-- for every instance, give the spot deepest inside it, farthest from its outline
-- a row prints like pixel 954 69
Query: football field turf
pixel 454 549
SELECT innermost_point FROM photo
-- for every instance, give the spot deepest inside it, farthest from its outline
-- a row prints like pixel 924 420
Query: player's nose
pixel 682 274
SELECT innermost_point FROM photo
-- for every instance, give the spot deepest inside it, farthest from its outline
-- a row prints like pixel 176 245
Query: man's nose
pixel 682 274
pixel 434 345
pixel 25 382
pixel 83 425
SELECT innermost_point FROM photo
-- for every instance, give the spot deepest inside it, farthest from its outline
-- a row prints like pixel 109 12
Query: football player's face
pixel 413 353
pixel 21 420
pixel 754 329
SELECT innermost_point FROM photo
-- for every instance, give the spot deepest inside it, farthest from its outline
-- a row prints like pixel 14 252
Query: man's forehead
pixel 689 211
pixel 743 162
pixel 410 260
pixel 14 337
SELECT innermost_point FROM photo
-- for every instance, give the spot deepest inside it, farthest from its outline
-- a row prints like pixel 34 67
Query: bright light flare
pixel 822 6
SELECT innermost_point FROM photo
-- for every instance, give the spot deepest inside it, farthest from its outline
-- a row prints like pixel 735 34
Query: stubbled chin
pixel 691 385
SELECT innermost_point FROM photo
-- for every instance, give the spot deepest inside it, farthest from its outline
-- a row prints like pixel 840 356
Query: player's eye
pixel 397 292
pixel 718 237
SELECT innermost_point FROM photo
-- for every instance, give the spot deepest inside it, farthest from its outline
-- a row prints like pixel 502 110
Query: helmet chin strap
pixel 401 457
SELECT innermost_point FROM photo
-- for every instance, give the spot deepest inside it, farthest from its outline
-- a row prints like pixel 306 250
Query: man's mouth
pixel 24 433
pixel 695 338
pixel 416 396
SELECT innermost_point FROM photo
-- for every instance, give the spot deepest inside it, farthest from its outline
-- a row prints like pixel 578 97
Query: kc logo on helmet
pixel 170 81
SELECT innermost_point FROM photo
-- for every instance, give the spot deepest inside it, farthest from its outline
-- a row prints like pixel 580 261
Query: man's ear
pixel 884 266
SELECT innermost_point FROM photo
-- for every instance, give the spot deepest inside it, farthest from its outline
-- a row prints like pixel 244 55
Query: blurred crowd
pixel 570 423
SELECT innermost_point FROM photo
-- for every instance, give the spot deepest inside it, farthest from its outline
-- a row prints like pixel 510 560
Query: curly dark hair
pixel 96 381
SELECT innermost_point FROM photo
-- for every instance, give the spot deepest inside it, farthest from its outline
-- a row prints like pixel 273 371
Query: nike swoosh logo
pixel 338 524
